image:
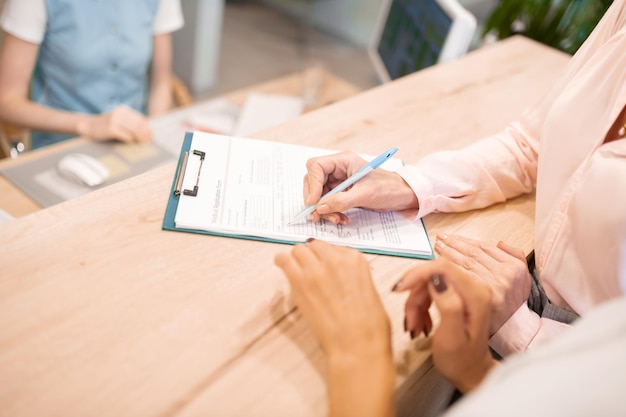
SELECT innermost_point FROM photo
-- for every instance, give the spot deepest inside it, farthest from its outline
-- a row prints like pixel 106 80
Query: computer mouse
pixel 83 169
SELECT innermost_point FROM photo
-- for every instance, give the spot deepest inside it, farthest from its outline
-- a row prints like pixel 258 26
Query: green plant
pixel 563 24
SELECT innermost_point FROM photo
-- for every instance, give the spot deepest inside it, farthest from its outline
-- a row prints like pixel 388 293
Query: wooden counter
pixel 104 314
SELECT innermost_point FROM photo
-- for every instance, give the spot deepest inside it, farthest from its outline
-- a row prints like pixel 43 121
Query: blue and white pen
pixel 363 171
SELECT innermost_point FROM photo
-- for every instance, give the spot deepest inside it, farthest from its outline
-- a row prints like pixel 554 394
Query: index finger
pixel 419 275
pixel 143 133
pixel 322 169
pixel 423 272
pixel 475 301
pixel 474 294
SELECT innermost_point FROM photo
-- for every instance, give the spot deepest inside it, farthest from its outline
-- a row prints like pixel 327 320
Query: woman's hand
pixel 460 344
pixel 379 190
pixel 333 289
pixel 501 266
pixel 121 123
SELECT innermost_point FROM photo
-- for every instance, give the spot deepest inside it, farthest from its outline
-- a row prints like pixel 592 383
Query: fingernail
pixel 439 244
pixel 405 325
pixel 425 331
pixel 412 333
pixel 438 283
pixel 309 240
pixel 442 236
pixel 322 209
pixel 396 286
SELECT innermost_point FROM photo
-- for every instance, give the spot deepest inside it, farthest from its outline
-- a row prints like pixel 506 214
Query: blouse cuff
pixel 421 186
pixel 517 332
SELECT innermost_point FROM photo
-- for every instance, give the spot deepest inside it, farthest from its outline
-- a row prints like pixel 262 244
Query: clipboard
pixel 169 222
pixel 191 163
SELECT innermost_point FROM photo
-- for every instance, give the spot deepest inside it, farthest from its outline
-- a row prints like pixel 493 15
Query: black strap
pixel 538 300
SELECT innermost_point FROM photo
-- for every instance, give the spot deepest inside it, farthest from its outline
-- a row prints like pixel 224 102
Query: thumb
pixel 144 132
pixel 512 250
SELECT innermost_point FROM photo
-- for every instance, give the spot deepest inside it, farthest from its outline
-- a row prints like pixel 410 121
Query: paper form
pixel 254 188
pixel 261 111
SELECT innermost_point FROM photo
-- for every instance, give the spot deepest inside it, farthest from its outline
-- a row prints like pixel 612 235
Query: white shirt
pixel 583 373
pixel 26 19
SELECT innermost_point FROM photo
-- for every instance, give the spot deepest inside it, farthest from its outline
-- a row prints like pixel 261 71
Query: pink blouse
pixel 557 146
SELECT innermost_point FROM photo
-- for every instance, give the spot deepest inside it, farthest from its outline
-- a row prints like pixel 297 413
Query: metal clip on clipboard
pixel 182 169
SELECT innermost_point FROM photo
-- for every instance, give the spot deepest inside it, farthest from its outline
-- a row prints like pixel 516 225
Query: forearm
pixel 34 116
pixel 482 174
pixel 361 386
pixel 160 100
pixel 17 62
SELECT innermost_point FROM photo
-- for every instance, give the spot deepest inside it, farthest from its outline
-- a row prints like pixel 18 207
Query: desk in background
pixel 103 313
pixel 169 129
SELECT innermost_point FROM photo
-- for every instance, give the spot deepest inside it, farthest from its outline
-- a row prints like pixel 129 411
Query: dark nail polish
pixel 309 240
pixel 438 283
pixel 405 326
pixel 425 331
pixel 396 286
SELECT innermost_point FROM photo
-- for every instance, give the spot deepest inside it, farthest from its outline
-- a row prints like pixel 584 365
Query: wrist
pixel 406 197
pixel 83 126
pixel 358 358
pixel 361 385
pixel 473 377
pixel 361 354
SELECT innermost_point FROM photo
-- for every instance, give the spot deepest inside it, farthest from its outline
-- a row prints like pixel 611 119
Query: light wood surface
pixel 104 314
pixel 328 89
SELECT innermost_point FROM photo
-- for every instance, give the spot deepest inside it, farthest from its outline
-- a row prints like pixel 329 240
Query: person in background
pixel 580 374
pixel 88 68
pixel 570 148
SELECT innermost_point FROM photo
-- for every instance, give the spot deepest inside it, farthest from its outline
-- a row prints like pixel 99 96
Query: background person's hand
pixel 121 123
pixel 460 343
pixel 380 190
pixel 501 266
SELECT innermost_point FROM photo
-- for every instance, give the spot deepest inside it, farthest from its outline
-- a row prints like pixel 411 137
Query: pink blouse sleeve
pixel 499 167
pixel 490 171
pixel 525 330
pixel 503 166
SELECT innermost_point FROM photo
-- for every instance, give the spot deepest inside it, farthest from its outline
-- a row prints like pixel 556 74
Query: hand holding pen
pixel 379 189
pixel 348 182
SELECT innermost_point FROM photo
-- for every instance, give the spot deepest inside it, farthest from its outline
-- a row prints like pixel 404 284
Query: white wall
pixel 1 31
pixel 196 45
pixel 352 20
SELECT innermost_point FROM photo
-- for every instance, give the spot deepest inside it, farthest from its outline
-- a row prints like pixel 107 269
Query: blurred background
pixel 230 44
pixel 265 39
pixel 242 66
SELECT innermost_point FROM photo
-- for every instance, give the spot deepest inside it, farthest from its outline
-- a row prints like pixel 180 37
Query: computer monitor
pixel 414 34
